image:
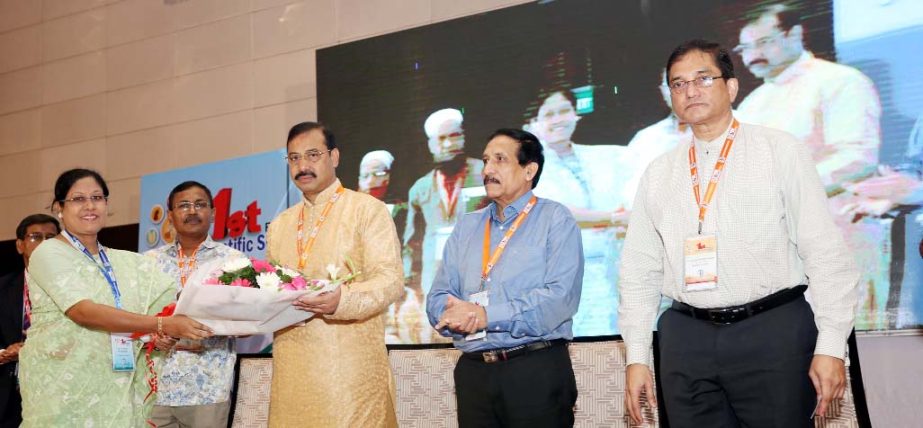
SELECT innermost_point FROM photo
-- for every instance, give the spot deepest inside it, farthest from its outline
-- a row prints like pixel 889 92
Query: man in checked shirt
pixel 196 379
pixel 735 251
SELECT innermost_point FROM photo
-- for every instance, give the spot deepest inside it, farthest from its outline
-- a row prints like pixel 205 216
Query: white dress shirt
pixel 773 229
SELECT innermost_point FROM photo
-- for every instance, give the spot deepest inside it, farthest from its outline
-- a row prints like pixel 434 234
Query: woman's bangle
pixel 160 326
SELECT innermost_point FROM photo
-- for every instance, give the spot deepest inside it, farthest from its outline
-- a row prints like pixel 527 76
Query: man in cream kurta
pixel 333 370
pixel 835 111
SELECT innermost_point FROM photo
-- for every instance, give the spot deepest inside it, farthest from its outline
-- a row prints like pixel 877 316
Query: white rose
pixel 288 272
pixel 235 264
pixel 268 281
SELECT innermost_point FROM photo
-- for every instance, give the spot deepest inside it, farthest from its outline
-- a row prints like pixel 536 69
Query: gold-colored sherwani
pixel 333 371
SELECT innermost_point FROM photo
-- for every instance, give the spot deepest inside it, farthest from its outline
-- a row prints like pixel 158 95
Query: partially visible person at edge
pixel 16 314
pixel 79 367
pixel 736 253
pixel 333 370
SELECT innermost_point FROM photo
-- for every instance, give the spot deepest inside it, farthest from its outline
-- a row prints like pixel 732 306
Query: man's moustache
pixel 191 218
pixel 491 180
pixel 305 174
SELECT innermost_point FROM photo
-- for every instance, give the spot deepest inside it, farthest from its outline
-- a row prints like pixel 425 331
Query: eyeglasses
pixel 192 206
pixel 678 86
pixel 80 200
pixel 366 175
pixel 760 43
pixel 311 155
pixel 39 237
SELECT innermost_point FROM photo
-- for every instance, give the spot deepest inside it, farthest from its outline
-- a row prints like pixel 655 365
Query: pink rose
pixel 212 281
pixel 287 286
pixel 299 283
pixel 262 266
pixel 240 282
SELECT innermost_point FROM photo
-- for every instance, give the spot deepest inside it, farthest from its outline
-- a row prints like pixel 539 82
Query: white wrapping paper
pixel 239 311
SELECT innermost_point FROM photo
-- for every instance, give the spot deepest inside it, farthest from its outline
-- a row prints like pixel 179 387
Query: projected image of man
pixel 834 109
pixel 437 196
pixel 405 318
pixel 662 136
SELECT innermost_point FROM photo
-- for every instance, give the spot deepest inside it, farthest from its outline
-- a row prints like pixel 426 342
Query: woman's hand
pixel 184 327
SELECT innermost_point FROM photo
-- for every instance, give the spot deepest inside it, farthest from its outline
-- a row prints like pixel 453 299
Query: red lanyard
pixel 303 249
pixel 487 265
pixel 715 176
pixel 26 305
pixel 186 265
pixel 448 198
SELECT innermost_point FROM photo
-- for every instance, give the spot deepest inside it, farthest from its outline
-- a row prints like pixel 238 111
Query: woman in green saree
pixel 78 367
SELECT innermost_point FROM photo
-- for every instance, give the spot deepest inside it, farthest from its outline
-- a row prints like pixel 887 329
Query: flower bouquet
pixel 243 296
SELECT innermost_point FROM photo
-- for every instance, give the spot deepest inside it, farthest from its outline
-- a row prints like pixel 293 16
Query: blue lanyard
pixel 106 268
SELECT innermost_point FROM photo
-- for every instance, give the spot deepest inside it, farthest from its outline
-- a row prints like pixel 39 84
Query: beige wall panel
pixel 20 174
pixel 284 78
pixel 213 139
pixel 52 9
pixel 140 153
pixel 74 77
pixel 124 201
pixel 271 124
pixel 18 207
pixel 266 4
pixel 131 20
pixel 19 13
pixel 20 89
pixel 443 10
pixel 214 92
pixel 139 62
pixel 75 120
pixel 20 48
pixel 193 13
pixel 213 45
pixel 140 107
pixel 88 154
pixel 358 19
pixel 293 27
pixel 20 131
pixel 74 34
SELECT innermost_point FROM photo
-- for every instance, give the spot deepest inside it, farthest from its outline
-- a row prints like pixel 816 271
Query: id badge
pixel 123 352
pixel 701 262
pixel 479 299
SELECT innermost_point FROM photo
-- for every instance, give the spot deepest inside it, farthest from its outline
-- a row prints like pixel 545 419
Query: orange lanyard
pixel 303 249
pixel 715 176
pixel 487 265
pixel 186 265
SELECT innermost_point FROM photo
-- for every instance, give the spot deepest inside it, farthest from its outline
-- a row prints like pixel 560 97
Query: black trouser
pixel 753 373
pixel 537 389
pixel 11 407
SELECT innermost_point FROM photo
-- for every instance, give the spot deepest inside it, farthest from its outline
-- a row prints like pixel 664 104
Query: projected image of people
pixel 585 80
pixel 438 198
pixel 591 181
pixel 662 136
pixel 835 110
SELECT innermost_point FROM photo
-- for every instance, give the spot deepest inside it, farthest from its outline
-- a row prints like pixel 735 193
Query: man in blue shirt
pixel 507 292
